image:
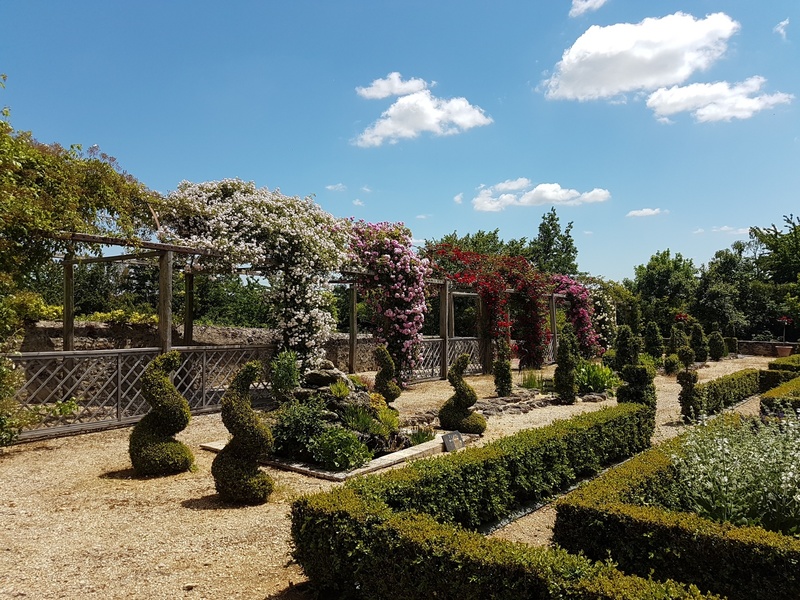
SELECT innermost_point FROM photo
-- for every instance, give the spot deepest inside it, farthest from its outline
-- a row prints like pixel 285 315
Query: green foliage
pixel 671 364
pixel 781 256
pixel 711 397
pixel 361 419
pixel 455 413
pixel 699 343
pixel 653 342
pixel 716 346
pixel 502 369
pixel 677 339
pixel 358 382
pixel 421 434
pixel 389 419
pixel 338 449
pixel 626 347
pixel 13 418
pixel 666 285
pixel 153 449
pixel 732 345
pixel 567 359
pixel 535 380
pixel 296 427
pixel 638 387
pixel 686 355
pixel 339 389
pixel 284 374
pixel 782 398
pixel 385 379
pixel 787 363
pixel 237 477
pixel 592 377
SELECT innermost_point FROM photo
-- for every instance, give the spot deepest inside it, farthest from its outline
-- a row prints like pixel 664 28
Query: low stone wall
pixel 756 348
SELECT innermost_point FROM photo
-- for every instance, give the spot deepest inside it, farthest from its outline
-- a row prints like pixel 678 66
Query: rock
pixel 593 397
pixel 322 378
pixel 303 394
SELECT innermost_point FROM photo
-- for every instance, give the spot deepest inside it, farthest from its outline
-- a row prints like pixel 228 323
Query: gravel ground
pixel 77 522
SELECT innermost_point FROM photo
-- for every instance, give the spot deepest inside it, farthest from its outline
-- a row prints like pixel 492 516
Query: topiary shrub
pixel 455 414
pixel 653 342
pixel 716 346
pixel 732 344
pixel 502 369
pixel 699 343
pixel 677 339
pixel 627 348
pixel 638 387
pixel 235 469
pixel 152 447
pixel 690 401
pixel 284 374
pixel 567 358
pixel 671 364
pixel 296 427
pixel 686 356
pixel 385 383
pixel 338 449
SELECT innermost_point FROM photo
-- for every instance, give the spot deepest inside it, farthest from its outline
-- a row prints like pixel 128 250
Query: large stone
pixel 322 378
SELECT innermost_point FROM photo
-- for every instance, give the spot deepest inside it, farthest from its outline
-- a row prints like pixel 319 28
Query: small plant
pixel 389 419
pixel 671 364
pixel 338 449
pixel 532 380
pixel 284 374
pixel 420 435
pixel 361 383
pixel 376 402
pixel 456 413
pixel 237 476
pixel 591 377
pixel 296 427
pixel 385 382
pixel 153 449
pixel 567 358
pixel 716 346
pixel 360 419
pixel 339 389
pixel 502 369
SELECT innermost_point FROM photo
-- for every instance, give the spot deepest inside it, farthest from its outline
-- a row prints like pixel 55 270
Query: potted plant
pixel 784 350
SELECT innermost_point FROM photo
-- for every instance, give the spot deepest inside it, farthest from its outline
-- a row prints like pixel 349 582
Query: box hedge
pixel 785 395
pixel 711 397
pixel 403 530
pixel 786 363
pixel 614 516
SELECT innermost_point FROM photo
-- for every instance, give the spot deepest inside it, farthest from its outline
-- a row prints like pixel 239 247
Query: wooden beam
pixel 104 240
pixel 444 326
pixel 353 345
pixel 85 260
pixel 69 303
pixel 165 300
pixel 188 311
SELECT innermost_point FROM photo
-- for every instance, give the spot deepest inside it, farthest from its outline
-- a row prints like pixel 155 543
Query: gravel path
pixel 76 523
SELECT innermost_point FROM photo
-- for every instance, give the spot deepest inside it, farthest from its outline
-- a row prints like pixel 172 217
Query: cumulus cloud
pixel 416 111
pixel 391 85
pixel 630 57
pixel 366 189
pixel 458 198
pixel 718 101
pixel 647 212
pixel 580 7
pixel 358 202
pixel 699 230
pixel 336 187
pixel 731 230
pixel 780 28
pixel 519 192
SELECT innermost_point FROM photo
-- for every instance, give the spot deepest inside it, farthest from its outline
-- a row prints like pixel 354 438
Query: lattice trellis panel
pixel 429 365
pixel 106 386
pixel 459 346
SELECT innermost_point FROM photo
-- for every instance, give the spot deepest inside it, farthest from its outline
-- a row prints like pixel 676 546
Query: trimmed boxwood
pixel 786 363
pixel 607 518
pixel 711 397
pixel 786 394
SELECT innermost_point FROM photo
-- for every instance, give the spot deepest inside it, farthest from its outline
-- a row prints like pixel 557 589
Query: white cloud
pixel 699 230
pixel 731 230
pixel 358 202
pixel 336 187
pixel 519 193
pixel 647 212
pixel 391 85
pixel 588 233
pixel 583 6
pixel 719 101
pixel 628 57
pixel 366 189
pixel 780 28
pixel 458 198
pixel 415 113
pixel 423 217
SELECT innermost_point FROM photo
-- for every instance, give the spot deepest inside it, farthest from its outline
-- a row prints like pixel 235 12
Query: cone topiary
pixel 502 369
pixel 565 376
pixel 627 348
pixel 653 342
pixel 235 469
pixel 716 346
pixel 699 343
pixel 152 447
pixel 385 383
pixel 456 414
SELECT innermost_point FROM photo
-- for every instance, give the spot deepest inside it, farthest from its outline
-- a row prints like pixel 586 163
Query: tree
pixel 553 250
pixel 721 291
pixel 666 285
pixel 781 257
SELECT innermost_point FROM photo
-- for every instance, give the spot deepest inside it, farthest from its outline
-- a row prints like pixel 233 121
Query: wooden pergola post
pixel 444 326
pixel 165 300
pixel 553 326
pixel 188 315
pixel 69 302
pixel 351 356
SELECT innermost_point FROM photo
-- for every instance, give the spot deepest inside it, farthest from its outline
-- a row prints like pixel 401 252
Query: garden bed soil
pixel 75 521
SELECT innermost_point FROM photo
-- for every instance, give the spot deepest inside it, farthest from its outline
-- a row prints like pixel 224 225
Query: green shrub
pixel 535 380
pixel 338 449
pixel 361 419
pixel 592 377
pixel 677 339
pixel 237 476
pixel 284 374
pixel 385 380
pixel 339 389
pixel 610 358
pixel 455 413
pixel 567 358
pixel 671 364
pixel 638 387
pixel 786 395
pixel 359 382
pixel 686 355
pixel 653 342
pixel 772 378
pixel 296 427
pixel 786 363
pixel 711 397
pixel 699 343
pixel 389 419
pixel 153 449
pixel 502 369
pixel 732 345
pixel 716 346
pixel 627 348
pixel 421 434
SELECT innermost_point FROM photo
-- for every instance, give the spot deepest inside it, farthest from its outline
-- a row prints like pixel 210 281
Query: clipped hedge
pixel 355 547
pixel 606 517
pixel 771 378
pixel 480 485
pixel 786 394
pixel 786 363
pixel 711 397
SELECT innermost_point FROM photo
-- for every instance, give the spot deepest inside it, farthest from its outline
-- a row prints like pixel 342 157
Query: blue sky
pixel 649 125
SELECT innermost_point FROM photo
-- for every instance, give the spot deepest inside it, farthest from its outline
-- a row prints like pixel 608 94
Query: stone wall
pixel 756 348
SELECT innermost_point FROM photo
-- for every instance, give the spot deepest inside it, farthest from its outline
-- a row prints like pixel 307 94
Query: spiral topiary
pixel 502 369
pixel 235 469
pixel 152 447
pixel 455 414
pixel 385 383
